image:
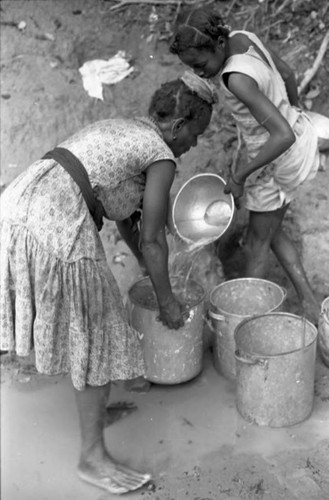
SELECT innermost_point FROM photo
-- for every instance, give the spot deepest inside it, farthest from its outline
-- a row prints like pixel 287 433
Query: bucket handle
pixel 208 323
pixel 250 360
pixel 285 293
pixel 217 317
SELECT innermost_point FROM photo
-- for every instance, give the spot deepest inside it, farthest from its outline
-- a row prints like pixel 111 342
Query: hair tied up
pixel 204 89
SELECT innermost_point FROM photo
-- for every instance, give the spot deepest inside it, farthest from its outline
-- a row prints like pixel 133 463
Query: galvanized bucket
pixel 230 303
pixel 275 360
pixel 323 331
pixel 171 356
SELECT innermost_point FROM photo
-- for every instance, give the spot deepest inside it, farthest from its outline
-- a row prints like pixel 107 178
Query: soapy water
pixel 186 292
pixel 194 262
pixel 182 263
pixel 183 259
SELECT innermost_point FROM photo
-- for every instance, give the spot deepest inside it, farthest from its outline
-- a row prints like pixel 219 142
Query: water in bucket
pixel 183 289
pixel 171 356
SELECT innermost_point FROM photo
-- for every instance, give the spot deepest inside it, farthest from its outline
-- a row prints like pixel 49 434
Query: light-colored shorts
pixel 276 185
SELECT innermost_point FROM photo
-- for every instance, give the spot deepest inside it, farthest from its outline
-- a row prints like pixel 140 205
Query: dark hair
pixel 174 99
pixel 200 30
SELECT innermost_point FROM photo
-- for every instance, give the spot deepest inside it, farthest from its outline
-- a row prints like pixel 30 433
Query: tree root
pixel 310 73
pixel 123 3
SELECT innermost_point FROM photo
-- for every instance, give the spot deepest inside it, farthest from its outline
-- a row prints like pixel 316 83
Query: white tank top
pixel 269 82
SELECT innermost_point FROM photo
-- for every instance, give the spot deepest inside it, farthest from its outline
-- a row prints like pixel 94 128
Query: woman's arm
pixel 281 135
pixel 159 179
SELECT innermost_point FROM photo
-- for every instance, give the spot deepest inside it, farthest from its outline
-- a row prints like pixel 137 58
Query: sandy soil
pixel 189 436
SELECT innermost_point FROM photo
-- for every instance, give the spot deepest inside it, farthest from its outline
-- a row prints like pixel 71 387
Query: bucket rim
pixel 147 278
pixel 324 304
pixel 324 310
pixel 223 311
pixel 269 356
pixel 204 174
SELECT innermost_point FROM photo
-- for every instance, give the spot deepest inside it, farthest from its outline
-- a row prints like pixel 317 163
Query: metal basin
pixel 201 212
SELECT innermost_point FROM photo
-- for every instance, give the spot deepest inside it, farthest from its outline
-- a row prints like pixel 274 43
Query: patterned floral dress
pixel 57 293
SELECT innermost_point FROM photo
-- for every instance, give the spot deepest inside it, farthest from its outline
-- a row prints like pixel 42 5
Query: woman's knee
pixel 256 247
pixel 257 240
pixel 263 227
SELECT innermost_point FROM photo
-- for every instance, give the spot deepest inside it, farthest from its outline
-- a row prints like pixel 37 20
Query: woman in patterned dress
pixel 58 295
pixel 261 92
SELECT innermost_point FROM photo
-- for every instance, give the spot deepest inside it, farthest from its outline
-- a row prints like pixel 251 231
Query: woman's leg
pixel 96 466
pixel 287 254
pixel 261 229
pixel 264 233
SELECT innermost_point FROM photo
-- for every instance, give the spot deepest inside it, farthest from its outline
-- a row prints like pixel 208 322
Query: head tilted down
pixel 200 41
pixel 182 113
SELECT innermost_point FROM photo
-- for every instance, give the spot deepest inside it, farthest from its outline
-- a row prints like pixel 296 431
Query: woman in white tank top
pixel 261 92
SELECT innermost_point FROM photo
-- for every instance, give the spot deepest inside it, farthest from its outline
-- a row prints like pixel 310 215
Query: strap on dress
pixel 79 174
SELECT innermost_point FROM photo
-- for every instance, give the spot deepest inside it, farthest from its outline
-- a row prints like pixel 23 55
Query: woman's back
pixel 46 200
pixel 256 63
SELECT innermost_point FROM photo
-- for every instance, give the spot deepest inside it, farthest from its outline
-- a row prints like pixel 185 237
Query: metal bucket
pixel 323 331
pixel 230 303
pixel 171 356
pixel 275 360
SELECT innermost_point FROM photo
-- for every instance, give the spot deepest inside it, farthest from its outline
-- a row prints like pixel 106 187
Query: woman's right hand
pixel 173 314
pixel 236 188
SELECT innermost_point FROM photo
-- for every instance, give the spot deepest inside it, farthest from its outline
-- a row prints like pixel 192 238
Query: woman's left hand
pixel 235 187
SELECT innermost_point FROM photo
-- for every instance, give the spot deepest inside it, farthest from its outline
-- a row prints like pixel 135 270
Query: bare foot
pixel 117 411
pixel 112 477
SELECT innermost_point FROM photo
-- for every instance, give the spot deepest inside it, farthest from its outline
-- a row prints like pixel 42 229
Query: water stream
pixel 197 233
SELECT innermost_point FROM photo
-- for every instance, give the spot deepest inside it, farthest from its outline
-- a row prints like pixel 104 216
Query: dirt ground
pixel 189 436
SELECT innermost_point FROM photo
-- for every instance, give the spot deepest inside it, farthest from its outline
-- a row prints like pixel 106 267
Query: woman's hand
pixel 173 314
pixel 236 187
